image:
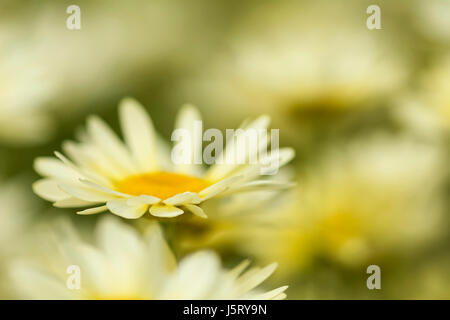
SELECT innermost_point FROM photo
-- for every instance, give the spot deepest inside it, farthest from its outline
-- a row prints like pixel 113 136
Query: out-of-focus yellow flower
pixel 282 60
pixel 126 265
pixel 132 179
pixel 436 90
pixel 432 18
pixel 24 91
pixel 363 203
pixel 427 111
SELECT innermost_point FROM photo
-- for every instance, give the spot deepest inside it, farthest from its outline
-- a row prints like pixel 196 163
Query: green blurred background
pixel 368 112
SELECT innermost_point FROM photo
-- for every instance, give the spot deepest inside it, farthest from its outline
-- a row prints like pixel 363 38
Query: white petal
pixel 259 125
pixel 93 210
pixel 81 163
pixel 143 199
pixel 218 187
pixel 165 211
pixel 283 156
pixel 183 198
pixel 86 193
pixel 281 296
pixel 196 210
pixel 125 253
pixel 273 294
pixel 51 167
pixel 107 140
pixel 261 184
pixel 159 250
pixel 187 118
pixel 121 208
pixel 73 203
pixel 93 264
pixel 164 154
pixel 198 272
pixel 139 134
pixel 255 277
pixel 236 271
pixel 250 172
pixel 48 189
pixel 32 282
pixel 96 160
pixel 116 237
pixel 103 189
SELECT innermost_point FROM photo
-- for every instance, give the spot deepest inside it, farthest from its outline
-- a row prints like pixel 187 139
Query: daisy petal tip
pixel 128 103
pixel 57 153
pixel 93 210
pixel 165 211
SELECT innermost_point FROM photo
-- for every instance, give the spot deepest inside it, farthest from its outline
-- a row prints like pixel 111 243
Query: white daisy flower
pixel 126 265
pixel 138 176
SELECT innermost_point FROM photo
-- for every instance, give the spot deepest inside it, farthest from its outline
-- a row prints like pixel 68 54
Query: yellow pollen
pixel 160 184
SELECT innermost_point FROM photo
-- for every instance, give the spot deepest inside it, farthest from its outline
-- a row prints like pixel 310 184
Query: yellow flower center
pixel 160 184
pixel 341 227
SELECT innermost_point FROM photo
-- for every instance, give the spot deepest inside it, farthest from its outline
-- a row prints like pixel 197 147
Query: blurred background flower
pixel 367 111
pixel 124 264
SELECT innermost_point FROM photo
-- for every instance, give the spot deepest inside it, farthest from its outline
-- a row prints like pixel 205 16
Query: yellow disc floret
pixel 160 184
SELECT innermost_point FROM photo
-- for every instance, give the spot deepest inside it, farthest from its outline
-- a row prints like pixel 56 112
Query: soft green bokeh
pixel 368 112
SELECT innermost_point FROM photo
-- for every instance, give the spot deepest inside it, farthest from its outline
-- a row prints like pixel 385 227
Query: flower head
pixel 130 179
pixel 126 265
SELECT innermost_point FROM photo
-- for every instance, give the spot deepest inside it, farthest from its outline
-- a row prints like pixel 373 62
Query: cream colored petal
pixel 196 210
pixel 121 208
pixel 33 283
pixel 261 185
pixel 73 203
pixel 125 254
pixel 81 163
pixel 93 210
pixel 277 294
pixel 165 211
pixel 73 150
pixel 187 118
pixel 139 134
pixel 83 172
pixel 107 140
pixel 198 272
pixel 116 237
pixel 104 189
pixel 254 277
pixel 86 193
pixel 48 189
pixel 251 172
pixel 283 156
pixel 93 265
pixel 183 198
pixel 262 122
pixel 51 167
pixel 218 187
pixel 236 271
pixel 162 261
pixel 143 199
pixel 96 160
pixel 164 154
pixel 281 296
pixel 259 125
